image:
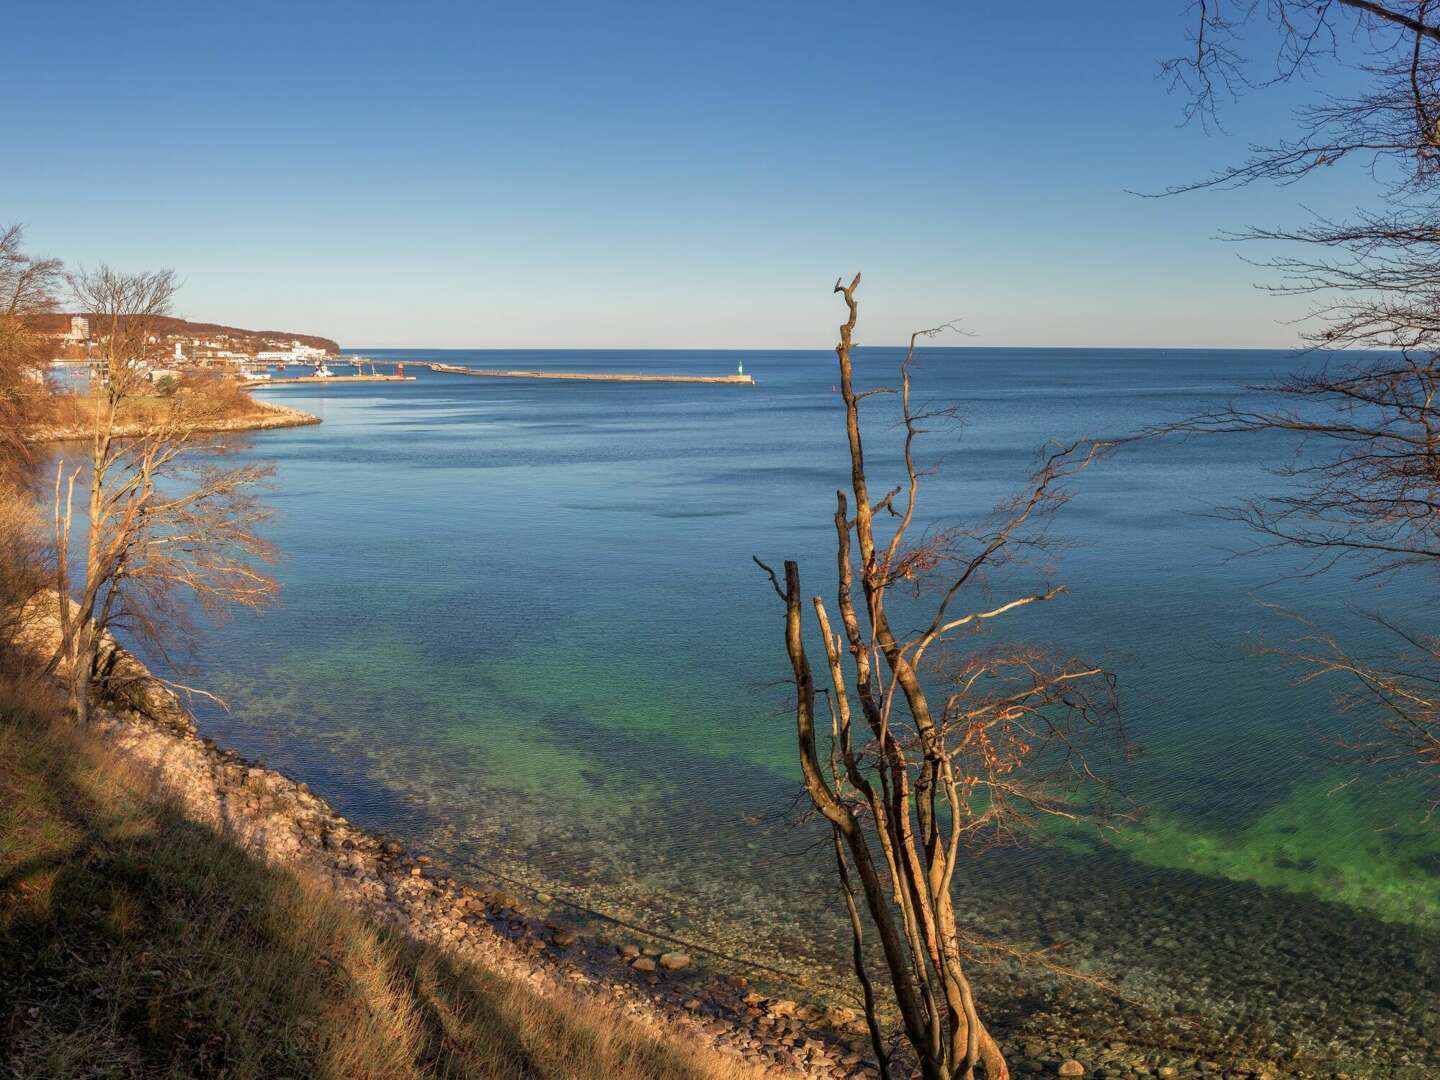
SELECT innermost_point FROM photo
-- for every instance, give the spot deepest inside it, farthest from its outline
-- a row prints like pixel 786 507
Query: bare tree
pixel 1391 46
pixel 27 287
pixel 163 520
pixel 953 747
pixel 1375 278
pixel 1396 683
pixel 1363 490
pixel 1364 487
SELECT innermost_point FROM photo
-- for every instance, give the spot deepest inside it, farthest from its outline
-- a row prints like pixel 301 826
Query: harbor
pixel 323 374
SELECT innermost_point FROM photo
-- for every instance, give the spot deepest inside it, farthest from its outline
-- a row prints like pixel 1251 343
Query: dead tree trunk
pixel 922 778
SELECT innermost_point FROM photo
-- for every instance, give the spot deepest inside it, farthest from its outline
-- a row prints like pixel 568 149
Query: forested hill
pixel 169 326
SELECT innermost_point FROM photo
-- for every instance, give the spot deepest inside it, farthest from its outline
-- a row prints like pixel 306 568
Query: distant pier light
pixel 740 367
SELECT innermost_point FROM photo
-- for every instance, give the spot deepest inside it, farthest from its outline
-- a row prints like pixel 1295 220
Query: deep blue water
pixel 521 620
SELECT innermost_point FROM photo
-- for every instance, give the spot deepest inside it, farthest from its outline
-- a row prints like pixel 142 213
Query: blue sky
pixel 638 174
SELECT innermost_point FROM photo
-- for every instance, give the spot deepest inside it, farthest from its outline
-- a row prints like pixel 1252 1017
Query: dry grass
pixel 23 570
pixel 136 943
pixel 199 396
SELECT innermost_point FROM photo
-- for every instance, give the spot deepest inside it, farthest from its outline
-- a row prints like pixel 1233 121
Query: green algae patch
pixel 1370 848
pixel 677 707
pixel 478 729
pixel 533 763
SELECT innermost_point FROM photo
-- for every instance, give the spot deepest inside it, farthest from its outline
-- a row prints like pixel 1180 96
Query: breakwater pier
pixel 734 380
pixel 251 384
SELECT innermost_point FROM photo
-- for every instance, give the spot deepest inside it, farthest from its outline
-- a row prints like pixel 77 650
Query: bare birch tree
pixel 165 524
pixel 933 748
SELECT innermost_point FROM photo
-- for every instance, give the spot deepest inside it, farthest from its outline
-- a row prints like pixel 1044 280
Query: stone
pixel 629 952
pixel 1070 1067
pixel 563 938
pixel 644 964
pixel 674 961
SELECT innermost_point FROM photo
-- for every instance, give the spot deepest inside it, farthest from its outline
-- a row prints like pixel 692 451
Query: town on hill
pixel 185 343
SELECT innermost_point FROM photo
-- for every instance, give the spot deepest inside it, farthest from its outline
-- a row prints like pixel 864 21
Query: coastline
pixel 267 416
pixel 535 940
pixel 533 934
pixel 284 824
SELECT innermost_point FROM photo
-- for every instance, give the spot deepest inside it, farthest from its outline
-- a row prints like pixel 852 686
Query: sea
pixel 521 630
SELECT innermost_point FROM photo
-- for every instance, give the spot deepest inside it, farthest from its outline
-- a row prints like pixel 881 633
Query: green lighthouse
pixel 740 367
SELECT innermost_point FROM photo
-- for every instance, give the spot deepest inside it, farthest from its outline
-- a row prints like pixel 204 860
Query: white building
pixel 296 354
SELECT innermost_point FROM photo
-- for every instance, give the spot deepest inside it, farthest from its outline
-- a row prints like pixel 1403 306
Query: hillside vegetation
pixel 134 942
pixel 197 401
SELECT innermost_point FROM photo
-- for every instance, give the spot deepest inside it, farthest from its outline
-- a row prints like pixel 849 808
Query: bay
pixel 521 623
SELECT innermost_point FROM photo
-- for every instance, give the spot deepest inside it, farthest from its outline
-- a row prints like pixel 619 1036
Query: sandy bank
pixel 265 416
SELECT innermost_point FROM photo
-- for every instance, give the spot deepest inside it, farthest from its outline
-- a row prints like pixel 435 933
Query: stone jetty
pixel 256 384
pixel 596 376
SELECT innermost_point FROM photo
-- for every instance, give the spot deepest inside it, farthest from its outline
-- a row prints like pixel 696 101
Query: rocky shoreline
pixel 537 940
pixel 267 416
pixel 283 823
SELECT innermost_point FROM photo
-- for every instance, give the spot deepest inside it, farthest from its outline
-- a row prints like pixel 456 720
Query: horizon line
pixel 829 348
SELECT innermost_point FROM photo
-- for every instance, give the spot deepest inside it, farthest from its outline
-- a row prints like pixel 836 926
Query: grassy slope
pixel 198 399
pixel 134 942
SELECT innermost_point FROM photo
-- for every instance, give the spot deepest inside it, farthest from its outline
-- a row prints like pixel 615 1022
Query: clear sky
pixel 642 174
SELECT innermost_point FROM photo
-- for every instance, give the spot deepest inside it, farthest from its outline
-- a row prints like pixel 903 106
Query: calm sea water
pixel 521 622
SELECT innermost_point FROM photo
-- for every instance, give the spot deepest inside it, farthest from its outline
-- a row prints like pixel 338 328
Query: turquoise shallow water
pixel 520 620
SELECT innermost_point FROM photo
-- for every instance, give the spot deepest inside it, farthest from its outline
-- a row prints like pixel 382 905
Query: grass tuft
pixel 134 942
